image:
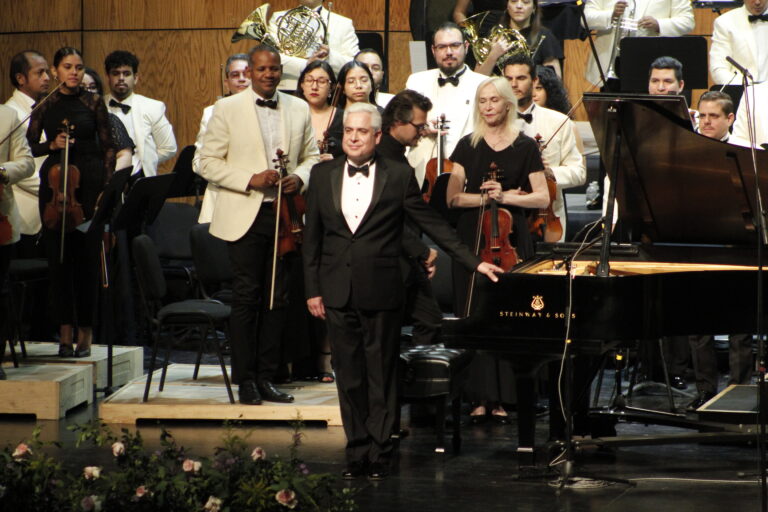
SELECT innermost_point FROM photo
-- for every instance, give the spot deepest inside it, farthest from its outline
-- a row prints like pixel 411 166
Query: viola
pixel 63 212
pixel 545 224
pixel 437 166
pixel 292 208
pixel 496 227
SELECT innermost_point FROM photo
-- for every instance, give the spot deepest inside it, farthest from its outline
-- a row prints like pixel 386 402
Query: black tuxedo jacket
pixel 361 270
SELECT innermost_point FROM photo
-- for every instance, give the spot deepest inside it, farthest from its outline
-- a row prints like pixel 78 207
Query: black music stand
pixel 638 53
pixel 143 203
pixel 111 198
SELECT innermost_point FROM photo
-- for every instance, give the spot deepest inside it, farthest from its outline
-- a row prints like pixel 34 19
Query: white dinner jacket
pixel 153 133
pixel 233 151
pixel 732 37
pixel 561 152
pixel 16 157
pixel 459 116
pixel 675 18
pixel 343 45
pixel 211 190
pixel 26 191
pixel 759 106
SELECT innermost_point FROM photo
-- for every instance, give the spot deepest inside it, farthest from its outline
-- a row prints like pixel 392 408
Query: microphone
pixel 744 71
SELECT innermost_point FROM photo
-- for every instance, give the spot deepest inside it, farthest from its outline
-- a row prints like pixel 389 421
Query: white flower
pixel 141 491
pixel 213 504
pixel 118 449
pixel 191 466
pixel 258 453
pixel 287 498
pixel 91 472
pixel 21 451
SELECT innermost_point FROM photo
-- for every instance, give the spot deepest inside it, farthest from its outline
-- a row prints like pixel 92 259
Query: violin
pixel 6 230
pixel 496 226
pixel 326 144
pixel 545 224
pixel 438 165
pixel 290 214
pixel 63 212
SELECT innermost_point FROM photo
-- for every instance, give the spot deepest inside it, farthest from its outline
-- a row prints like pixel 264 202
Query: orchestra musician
pixel 237 79
pixel 741 34
pixel 242 139
pixel 549 91
pixel 451 88
pixel 317 84
pixel 562 159
pixel 355 219
pixel 758 98
pixel 30 79
pixel 357 85
pixel 667 18
pixel 497 139
pixel 372 59
pixel 16 164
pixel 75 279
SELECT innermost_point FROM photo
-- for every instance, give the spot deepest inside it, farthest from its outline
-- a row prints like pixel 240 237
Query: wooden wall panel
pixel 576 57
pixel 45 43
pixel 185 75
pixel 39 15
pixel 399 60
pixel 159 14
pixel 399 15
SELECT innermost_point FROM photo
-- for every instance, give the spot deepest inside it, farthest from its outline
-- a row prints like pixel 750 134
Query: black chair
pixel 205 315
pixel 170 232
pixel 212 266
pixel 23 274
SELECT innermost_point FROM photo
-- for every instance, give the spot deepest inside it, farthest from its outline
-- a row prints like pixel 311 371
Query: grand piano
pixel 687 212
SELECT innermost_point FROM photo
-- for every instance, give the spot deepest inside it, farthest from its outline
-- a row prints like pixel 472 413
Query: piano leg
pixel 526 418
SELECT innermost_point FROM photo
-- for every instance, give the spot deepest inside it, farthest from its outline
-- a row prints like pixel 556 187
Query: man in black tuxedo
pixel 357 205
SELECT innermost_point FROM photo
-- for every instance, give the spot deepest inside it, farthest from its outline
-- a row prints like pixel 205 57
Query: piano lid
pixel 674 185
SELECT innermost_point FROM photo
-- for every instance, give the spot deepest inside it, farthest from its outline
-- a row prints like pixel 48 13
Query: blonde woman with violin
pixel 79 119
pixel 494 163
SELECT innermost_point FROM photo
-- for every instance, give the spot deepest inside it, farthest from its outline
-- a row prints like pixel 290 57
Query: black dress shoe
pixel 501 419
pixel 270 393
pixel 699 401
pixel 66 351
pixel 248 394
pixel 377 471
pixel 84 352
pixel 678 382
pixel 353 470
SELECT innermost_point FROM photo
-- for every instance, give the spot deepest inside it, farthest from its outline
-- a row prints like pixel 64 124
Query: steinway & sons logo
pixel 537 311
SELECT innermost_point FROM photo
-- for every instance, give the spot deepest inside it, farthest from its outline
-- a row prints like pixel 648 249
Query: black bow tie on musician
pixel 757 17
pixel 122 106
pixel 266 103
pixel 528 118
pixel 352 170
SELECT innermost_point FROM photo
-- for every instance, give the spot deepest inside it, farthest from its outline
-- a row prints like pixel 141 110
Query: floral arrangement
pixel 236 478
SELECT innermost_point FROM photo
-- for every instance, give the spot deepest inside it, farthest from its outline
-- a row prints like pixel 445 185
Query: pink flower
pixel 91 472
pixel 191 466
pixel 91 504
pixel 118 449
pixel 258 453
pixel 141 491
pixel 287 498
pixel 213 504
pixel 21 451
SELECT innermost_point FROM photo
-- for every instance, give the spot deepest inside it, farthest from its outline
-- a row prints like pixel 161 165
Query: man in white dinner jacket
pixel 741 34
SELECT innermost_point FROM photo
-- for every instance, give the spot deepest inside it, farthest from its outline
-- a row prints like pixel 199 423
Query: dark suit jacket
pixel 361 270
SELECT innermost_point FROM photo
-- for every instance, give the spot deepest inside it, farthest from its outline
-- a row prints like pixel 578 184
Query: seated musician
pixel 715 119
pixel 495 140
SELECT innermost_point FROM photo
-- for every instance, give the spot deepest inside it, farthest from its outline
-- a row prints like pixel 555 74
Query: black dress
pixel 490 379
pixel 545 43
pixel 74 281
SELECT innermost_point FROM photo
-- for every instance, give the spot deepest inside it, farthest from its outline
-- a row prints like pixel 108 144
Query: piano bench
pixel 434 374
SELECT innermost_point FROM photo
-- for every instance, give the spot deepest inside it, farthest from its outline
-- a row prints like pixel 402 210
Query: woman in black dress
pixel 316 86
pixel 522 185
pixel 75 280
pixel 525 17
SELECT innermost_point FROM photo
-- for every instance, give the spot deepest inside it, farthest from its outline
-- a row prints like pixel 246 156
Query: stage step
pixel 127 362
pixel 735 404
pixel 46 390
pixel 206 398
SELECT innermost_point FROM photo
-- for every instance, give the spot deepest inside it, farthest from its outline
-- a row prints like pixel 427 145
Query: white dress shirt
pixel 270 117
pixel 356 195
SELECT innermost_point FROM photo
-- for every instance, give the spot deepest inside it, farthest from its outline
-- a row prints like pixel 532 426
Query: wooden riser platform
pixel 206 399
pixel 127 362
pixel 46 390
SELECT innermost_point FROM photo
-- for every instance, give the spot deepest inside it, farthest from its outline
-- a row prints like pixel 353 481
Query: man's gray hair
pixel 365 107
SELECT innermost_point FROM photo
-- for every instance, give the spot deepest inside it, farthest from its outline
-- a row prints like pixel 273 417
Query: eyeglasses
pixel 419 127
pixel 452 46
pixel 312 81
pixel 362 80
pixel 237 74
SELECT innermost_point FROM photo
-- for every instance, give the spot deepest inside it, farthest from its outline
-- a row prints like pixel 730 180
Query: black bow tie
pixel 453 80
pixel 266 103
pixel 122 106
pixel 352 170
pixel 757 17
pixel 528 118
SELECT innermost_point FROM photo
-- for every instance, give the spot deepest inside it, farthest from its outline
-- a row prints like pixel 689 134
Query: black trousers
pixel 255 331
pixel 365 348
pixel 6 252
pixel 421 308
pixel 705 362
